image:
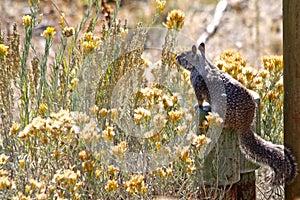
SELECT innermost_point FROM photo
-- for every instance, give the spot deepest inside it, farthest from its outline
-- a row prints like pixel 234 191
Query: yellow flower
pixel 94 110
pixel 186 75
pixel 62 20
pixel 176 115
pixel 3 173
pixel 160 5
pixel 68 31
pixel 35 184
pixel 49 33
pixel 167 101
pixel 175 20
pixel 114 113
pixel 135 185
pixel 3 50
pixel 5 183
pixel 279 85
pixel 119 149
pixel 169 171
pixel 183 153
pixel 88 36
pixel 108 133
pixel 111 185
pixel 98 173
pixel 141 113
pixel 199 140
pixel 26 20
pixel 88 165
pixel 3 159
pixel 124 33
pixel 190 169
pixel 181 129
pixel 161 172
pixel 84 155
pixel 33 2
pixel 264 73
pixel 271 96
pixel 14 128
pixel 22 163
pixel 42 109
pixel 248 72
pixel 112 170
pixel 90 42
pixel 42 196
pixel 103 112
pixel 214 119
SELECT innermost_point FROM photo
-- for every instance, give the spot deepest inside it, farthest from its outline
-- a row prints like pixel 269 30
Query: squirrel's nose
pixel 178 58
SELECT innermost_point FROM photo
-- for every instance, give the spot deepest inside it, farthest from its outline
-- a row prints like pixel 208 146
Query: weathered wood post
pixel 225 166
pixel 291 70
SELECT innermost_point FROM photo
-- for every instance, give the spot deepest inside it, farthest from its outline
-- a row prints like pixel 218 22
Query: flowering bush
pixel 88 124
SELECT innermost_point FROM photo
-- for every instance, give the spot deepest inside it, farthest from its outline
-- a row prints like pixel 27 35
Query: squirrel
pixel 215 86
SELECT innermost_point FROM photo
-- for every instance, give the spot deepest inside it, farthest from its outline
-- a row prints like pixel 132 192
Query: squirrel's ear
pixel 202 47
pixel 194 49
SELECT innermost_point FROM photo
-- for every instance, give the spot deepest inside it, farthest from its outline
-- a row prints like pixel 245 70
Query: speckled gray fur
pixel 227 95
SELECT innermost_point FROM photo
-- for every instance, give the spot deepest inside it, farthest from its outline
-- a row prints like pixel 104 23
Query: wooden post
pixel 226 168
pixel 291 58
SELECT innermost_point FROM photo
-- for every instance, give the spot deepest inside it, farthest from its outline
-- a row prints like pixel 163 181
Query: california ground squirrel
pixel 215 86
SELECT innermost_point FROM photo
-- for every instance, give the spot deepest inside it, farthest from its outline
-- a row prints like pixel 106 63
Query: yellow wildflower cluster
pixel 214 119
pixel 49 33
pixel 141 114
pixel 14 128
pixel 169 101
pixel 5 182
pixel 3 159
pixel 26 20
pixel 175 115
pixel 112 170
pixel 136 185
pixel 3 50
pixel 123 32
pixel 90 42
pixel 34 2
pixel 57 123
pixel 103 112
pixel 175 20
pixel 68 31
pixel 119 149
pixel 273 63
pixel 109 133
pixel 69 179
pixel 43 109
pixel 199 140
pixel 161 172
pixel 150 94
pixel 111 185
pixel 273 83
pixel 160 6
pixel 22 163
pixel 234 64
pixel 184 154
pixel 84 155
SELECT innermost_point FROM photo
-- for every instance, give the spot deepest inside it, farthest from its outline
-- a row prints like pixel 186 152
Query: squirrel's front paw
pixel 203 108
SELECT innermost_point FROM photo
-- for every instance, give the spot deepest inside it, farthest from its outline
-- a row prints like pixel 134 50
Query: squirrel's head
pixel 192 58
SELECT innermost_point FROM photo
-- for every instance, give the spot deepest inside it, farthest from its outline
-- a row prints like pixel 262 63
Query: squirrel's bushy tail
pixel 263 152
